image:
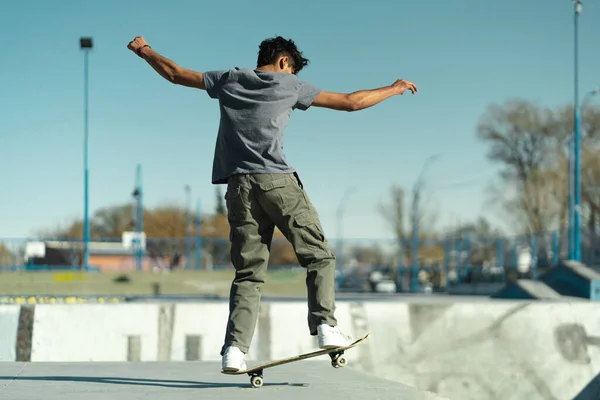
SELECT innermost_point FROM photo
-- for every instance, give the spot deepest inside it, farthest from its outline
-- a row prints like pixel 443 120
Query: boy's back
pixel 255 109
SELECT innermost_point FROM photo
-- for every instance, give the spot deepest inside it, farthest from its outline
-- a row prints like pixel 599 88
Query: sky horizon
pixel 462 56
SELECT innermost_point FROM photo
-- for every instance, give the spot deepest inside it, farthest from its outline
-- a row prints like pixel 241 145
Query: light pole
pixel 417 188
pixel 198 235
pixel 86 44
pixel 340 217
pixel 138 216
pixel 575 197
pixel 188 225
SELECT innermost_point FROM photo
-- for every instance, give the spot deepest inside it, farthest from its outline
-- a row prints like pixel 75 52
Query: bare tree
pixel 401 220
pixel 394 212
pixel 521 136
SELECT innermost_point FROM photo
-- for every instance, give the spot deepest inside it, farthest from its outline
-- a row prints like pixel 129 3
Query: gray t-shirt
pixel 255 109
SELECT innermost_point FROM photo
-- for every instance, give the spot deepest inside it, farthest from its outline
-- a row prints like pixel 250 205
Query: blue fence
pixel 442 262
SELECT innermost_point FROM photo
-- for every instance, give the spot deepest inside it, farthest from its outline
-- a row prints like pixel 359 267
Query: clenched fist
pixel 402 86
pixel 137 44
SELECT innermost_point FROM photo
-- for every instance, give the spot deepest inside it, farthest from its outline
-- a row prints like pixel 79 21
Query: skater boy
pixel 263 190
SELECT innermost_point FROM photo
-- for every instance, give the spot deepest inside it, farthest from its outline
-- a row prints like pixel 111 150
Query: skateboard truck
pixel 256 378
pixel 337 359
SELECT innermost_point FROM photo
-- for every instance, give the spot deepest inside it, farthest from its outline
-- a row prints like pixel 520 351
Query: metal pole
pixel 570 228
pixel 140 217
pixel 86 45
pixel 198 236
pixel 188 226
pixel 577 145
pixel 86 221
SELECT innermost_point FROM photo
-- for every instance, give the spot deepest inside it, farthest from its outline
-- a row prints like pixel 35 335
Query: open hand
pixel 137 44
pixel 402 86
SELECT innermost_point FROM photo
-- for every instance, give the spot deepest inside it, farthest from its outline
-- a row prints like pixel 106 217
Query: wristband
pixel 139 51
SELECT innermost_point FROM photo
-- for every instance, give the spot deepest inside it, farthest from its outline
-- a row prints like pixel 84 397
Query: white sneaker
pixel 233 360
pixel 331 336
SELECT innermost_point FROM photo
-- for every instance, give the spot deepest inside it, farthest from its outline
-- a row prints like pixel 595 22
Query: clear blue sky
pixel 462 54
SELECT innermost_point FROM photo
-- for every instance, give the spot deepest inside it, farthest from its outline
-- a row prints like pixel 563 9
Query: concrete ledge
pixel 9 326
pixel 462 350
pixel 200 380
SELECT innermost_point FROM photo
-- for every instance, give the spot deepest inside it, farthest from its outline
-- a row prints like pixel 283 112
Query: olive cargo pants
pixel 256 203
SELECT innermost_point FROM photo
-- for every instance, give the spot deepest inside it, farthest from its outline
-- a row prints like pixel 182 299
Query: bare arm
pixel 166 68
pixel 361 99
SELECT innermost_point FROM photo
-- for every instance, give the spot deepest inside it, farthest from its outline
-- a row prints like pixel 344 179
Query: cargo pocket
pixel 234 203
pixel 278 183
pixel 311 233
pixel 275 198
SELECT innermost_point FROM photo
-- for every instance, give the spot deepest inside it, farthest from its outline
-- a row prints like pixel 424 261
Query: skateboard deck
pixel 336 354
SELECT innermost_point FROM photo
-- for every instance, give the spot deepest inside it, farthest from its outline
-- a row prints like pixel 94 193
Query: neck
pixel 268 68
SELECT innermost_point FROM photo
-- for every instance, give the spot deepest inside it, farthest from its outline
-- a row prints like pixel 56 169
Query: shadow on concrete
pixel 591 391
pixel 165 383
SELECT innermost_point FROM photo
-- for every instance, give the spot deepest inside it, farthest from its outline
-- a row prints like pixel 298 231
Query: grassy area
pixel 279 283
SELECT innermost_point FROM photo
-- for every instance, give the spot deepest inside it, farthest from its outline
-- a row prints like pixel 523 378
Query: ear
pixel 283 61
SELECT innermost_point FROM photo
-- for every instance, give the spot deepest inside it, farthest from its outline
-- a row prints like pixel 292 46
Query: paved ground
pixel 182 381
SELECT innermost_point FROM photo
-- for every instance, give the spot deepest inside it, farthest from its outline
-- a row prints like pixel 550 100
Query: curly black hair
pixel 273 48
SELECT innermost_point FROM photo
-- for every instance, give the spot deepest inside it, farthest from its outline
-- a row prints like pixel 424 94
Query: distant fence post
pixel 399 268
pixel 447 251
pixel 467 247
pixel 198 235
pixel 499 253
pixel 555 248
pixel 516 252
pixel 457 255
pixel 414 276
pixel 534 253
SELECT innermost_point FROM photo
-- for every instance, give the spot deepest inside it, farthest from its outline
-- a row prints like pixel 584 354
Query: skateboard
pixel 336 354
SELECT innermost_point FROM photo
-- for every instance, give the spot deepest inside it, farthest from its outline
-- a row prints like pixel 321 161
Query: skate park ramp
pixel 472 349
pixel 460 348
pixel 187 381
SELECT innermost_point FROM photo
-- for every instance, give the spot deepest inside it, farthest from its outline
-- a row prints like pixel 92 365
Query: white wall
pixel 93 332
pixel 207 320
pixel 9 320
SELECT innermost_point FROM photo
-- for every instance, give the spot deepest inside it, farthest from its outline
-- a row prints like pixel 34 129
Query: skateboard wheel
pixel 256 381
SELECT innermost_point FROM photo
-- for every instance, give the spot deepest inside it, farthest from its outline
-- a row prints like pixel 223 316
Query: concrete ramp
pixel 9 319
pixel 527 289
pixel 461 348
pixel 192 381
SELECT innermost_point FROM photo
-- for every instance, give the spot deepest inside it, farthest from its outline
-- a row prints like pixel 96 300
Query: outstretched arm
pixel 168 69
pixel 362 99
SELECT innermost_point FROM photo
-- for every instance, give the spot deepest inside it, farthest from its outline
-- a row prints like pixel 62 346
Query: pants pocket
pixel 234 203
pixel 311 232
